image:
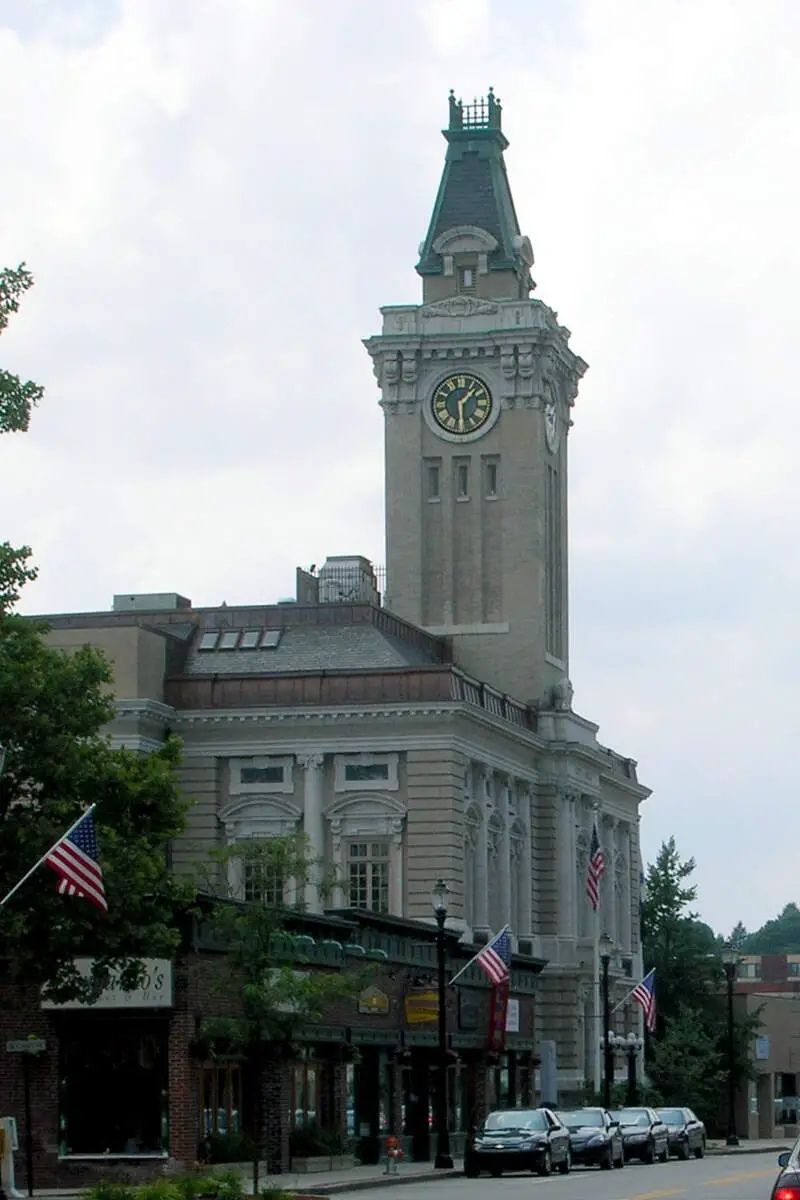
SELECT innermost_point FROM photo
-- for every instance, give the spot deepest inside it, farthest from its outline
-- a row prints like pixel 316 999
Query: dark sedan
pixel 787 1185
pixel 687 1133
pixel 595 1137
pixel 644 1134
pixel 519 1140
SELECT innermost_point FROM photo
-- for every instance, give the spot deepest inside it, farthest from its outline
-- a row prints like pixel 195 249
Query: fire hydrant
pixel 394 1153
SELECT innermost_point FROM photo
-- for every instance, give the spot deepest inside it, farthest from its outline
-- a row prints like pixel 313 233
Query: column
pixel 396 881
pixel 482 859
pixel 526 865
pixel 504 857
pixel 627 900
pixel 608 922
pixel 566 864
pixel 313 800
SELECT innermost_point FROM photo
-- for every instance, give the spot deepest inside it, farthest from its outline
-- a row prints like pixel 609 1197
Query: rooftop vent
pixel 150 602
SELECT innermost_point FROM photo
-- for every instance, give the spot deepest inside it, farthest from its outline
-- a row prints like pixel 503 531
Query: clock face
pixel 461 404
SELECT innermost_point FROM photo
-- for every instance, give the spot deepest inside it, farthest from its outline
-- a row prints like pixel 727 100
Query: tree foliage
pixel 781 935
pixel 53 706
pixel 17 400
pixel 688 1058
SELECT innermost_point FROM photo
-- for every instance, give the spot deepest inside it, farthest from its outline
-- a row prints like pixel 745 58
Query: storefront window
pixel 113 1095
pixel 221 1099
pixel 305 1099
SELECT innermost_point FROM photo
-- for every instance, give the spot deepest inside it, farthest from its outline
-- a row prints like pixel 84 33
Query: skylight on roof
pixel 229 639
pixel 209 640
pixel 271 638
pixel 250 639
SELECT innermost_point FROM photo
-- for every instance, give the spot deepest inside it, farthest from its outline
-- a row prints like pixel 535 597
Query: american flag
pixel 495 957
pixel 75 859
pixel 597 866
pixel 645 996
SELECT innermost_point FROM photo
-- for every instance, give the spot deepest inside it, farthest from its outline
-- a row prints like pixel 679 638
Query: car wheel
pixel 471 1170
pixel 664 1155
pixel 684 1153
pixel 546 1165
pixel 620 1162
pixel 649 1155
pixel 565 1166
pixel 496 1172
pixel 607 1161
pixel 701 1149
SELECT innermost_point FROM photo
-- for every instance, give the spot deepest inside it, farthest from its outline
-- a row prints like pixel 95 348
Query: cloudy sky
pixel 215 199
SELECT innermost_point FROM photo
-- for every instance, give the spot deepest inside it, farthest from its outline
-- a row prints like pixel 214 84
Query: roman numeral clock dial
pixel 461 404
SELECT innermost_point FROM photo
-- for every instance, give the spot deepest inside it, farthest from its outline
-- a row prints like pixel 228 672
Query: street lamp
pixel 443 1159
pixel 606 947
pixel 630 1046
pixel 730 961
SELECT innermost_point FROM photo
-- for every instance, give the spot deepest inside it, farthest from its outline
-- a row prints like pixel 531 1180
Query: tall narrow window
pixel 263 883
pixel 467 279
pixel 433 482
pixel 462 481
pixel 368 876
pixel 555 589
pixel 491 480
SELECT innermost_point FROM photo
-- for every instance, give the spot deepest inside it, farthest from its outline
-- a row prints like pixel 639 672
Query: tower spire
pixel 473 241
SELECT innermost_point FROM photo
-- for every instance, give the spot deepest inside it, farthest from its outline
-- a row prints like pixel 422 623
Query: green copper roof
pixel 474 189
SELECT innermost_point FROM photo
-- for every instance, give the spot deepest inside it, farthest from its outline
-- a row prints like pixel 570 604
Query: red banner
pixel 497 1017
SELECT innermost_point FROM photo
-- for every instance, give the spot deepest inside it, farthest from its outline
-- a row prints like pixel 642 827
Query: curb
pixel 731 1151
pixel 363 1185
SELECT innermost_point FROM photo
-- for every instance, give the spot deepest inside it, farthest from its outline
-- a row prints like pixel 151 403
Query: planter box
pixel 323 1162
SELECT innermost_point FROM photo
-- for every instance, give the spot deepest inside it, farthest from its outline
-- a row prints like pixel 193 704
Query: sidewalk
pixel 356 1179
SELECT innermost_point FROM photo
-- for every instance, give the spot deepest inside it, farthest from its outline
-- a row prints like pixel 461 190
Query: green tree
pixel 687 1059
pixel 781 935
pixel 17 400
pixel 53 707
pixel 738 938
pixel 267 965
pixel 680 947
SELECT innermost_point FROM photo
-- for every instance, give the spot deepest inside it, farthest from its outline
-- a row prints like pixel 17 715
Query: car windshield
pixel 580 1120
pixel 671 1116
pixel 632 1116
pixel 509 1121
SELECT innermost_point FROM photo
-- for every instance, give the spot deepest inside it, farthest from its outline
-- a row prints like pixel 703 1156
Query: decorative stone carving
pixel 582 851
pixel 458 306
pixel 562 693
pixel 312 761
pixel 409 369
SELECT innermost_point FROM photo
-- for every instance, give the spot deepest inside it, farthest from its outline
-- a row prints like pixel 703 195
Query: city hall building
pixel 420 726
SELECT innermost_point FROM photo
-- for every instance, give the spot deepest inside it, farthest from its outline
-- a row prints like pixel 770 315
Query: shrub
pixel 107 1189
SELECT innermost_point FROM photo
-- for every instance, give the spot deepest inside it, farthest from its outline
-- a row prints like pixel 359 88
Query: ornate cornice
pixel 458 306
pixel 145 710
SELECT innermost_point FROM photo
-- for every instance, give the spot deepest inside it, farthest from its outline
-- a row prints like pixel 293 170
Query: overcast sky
pixel 215 199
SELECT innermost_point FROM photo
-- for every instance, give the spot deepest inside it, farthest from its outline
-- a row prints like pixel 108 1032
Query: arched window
pixel 366 835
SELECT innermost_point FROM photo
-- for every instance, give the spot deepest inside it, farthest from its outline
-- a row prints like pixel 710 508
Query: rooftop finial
pixel 481 114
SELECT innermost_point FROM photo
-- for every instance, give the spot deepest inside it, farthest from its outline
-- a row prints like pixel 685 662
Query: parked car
pixel 787 1185
pixel 595 1138
pixel 644 1134
pixel 519 1139
pixel 687 1133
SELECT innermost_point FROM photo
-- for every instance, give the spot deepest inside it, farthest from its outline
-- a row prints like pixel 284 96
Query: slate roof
pixel 474 190
pixel 313 648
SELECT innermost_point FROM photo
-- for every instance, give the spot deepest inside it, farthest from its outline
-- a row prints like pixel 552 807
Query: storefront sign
pixel 26 1046
pixel 374 1002
pixel 762 1048
pixel 512 1016
pixel 155 990
pixel 422 1008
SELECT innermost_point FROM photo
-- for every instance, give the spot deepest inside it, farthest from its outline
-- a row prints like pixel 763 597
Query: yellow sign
pixel 373 1001
pixel 422 1008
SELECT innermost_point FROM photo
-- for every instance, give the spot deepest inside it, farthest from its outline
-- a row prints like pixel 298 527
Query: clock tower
pixel 477 383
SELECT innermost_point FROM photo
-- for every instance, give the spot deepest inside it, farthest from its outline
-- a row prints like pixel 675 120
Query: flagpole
pixel 596 1056
pixel 476 956
pixel 36 866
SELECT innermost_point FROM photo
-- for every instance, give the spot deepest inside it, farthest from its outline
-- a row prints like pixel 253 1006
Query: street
pixel 727 1177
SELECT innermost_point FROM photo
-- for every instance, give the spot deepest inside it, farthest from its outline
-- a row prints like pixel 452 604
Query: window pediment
pixel 260 817
pixel 372 815
pixel 465 239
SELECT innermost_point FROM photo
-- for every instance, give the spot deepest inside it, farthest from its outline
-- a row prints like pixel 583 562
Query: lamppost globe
pixel 439 897
pixel 606 946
